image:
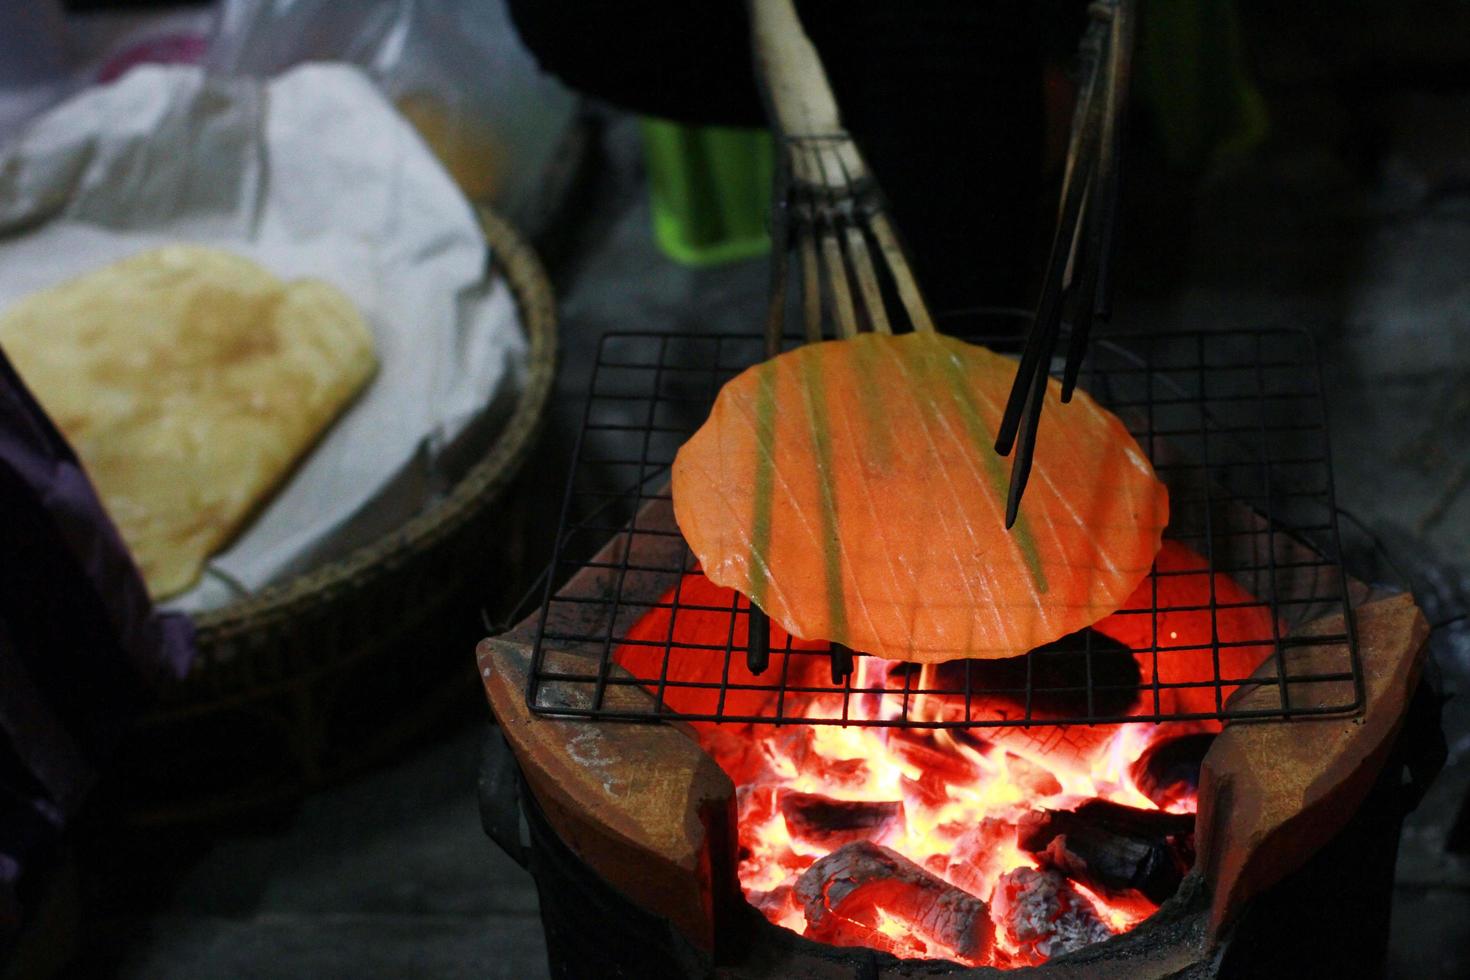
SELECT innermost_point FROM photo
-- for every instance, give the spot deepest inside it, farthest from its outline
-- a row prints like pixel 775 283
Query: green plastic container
pixel 1194 79
pixel 709 190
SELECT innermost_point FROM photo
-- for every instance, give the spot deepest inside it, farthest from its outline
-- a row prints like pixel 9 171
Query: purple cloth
pixel 80 643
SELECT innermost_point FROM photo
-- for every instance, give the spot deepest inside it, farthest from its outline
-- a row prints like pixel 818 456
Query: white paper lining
pixel 311 174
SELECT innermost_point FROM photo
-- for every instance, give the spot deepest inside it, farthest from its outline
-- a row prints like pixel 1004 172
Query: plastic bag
pixel 33 61
pixel 455 68
pixel 48 53
pixel 80 644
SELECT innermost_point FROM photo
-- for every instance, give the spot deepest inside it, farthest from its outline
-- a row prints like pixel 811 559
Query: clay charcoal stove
pixel 1130 801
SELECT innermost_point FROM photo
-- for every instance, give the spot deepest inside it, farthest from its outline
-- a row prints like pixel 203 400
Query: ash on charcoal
pixel 1044 915
pixel 847 895
pixel 824 822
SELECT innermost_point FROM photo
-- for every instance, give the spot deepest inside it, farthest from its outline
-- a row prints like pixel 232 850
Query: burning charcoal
pixel 1168 770
pixel 845 772
pixel 778 904
pixel 932 751
pixel 793 743
pixel 755 804
pixel 1058 675
pixel 1034 780
pixel 1113 849
pixel 1044 916
pixel 852 893
pixel 939 766
pixel 929 790
pixel 828 823
pixel 794 747
pixel 974 860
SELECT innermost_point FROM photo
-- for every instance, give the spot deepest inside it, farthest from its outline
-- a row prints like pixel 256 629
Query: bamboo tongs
pixel 1078 283
pixel 827 209
pixel 829 218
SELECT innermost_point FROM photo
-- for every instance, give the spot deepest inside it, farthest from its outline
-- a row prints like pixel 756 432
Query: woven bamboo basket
pixel 339 667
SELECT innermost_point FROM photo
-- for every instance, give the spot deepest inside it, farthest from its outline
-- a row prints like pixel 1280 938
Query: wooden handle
pixel 801 100
pixel 795 81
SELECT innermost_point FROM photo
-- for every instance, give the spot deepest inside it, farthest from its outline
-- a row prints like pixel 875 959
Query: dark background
pixel 1351 220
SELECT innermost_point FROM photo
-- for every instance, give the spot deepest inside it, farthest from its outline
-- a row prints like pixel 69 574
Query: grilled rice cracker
pixel 851 488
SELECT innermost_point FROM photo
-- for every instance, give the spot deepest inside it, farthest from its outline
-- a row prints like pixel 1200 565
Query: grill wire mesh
pixel 1234 422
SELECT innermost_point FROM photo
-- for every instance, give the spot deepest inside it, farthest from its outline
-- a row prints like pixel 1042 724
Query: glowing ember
pixel 939 808
pixel 958 820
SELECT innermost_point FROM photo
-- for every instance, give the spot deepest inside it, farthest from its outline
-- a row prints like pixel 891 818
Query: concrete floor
pixel 391 876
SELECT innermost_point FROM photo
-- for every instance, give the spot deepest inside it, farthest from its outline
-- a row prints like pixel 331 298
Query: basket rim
pixel 478 488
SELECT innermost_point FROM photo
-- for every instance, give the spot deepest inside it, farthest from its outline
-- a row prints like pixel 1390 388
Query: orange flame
pixel 962 793
pixel 962 800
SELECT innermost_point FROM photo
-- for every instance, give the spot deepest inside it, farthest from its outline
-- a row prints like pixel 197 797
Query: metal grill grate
pixel 1235 424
